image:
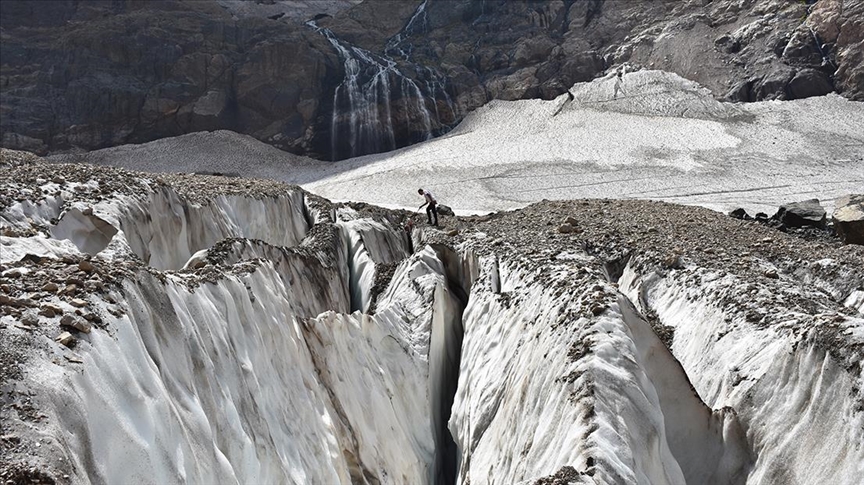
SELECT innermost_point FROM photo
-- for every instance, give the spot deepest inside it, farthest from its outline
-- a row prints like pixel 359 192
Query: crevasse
pixel 267 364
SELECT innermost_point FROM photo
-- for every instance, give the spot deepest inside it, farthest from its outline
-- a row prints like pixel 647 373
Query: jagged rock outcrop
pixel 95 74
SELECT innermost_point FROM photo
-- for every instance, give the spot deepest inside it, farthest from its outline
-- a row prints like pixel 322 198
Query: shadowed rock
pixel 849 218
pixel 801 214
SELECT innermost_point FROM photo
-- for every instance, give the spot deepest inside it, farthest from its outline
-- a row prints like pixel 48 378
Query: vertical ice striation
pixel 307 342
pixel 377 107
pixel 263 373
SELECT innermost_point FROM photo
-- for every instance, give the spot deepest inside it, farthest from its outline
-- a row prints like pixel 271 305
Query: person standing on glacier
pixel 433 206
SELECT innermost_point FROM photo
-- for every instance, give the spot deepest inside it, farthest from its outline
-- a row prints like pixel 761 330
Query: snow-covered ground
pixel 661 137
pixel 651 135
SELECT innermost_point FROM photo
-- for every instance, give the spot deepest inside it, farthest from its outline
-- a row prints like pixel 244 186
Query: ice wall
pixel 545 383
pixel 165 230
pixel 791 386
pixel 251 369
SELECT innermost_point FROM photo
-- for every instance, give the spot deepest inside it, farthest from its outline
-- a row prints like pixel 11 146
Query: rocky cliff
pixel 371 76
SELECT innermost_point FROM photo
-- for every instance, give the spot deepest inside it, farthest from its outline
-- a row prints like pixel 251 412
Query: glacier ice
pixel 261 339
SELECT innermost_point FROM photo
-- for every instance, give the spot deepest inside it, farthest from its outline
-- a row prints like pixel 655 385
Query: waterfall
pixel 394 43
pixel 377 107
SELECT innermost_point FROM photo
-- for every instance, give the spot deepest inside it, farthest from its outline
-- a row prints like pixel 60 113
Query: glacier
pixel 251 332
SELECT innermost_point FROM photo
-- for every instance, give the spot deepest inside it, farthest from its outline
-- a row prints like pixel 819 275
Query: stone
pixel 65 338
pixel 808 83
pixel 444 210
pixel 50 311
pixel 76 323
pixel 14 273
pixel 50 287
pixel 571 220
pixel 452 232
pixel 673 261
pixel 30 320
pixel 566 228
pixel 92 317
pixel 848 218
pixel 808 213
pixel 78 302
pixel 771 273
pixel 740 213
pixel 16 302
pixel 69 289
pixel 86 266
pixel 772 85
pixel 57 179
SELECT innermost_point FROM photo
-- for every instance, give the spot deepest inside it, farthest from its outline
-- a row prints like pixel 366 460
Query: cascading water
pixel 377 107
pixel 395 42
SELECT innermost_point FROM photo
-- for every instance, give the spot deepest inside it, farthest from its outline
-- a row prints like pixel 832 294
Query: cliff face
pixel 377 75
pixel 511 50
pixel 97 74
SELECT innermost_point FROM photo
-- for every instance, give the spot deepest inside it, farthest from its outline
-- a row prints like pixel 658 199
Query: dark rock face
pixel 97 74
pixel 740 213
pixel 92 74
pixel 849 218
pixel 802 214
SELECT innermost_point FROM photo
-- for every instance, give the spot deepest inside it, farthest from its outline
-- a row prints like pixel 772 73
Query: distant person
pixel 433 206
pixel 619 78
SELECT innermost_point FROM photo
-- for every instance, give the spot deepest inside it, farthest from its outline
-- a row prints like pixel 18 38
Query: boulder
pixel 566 228
pixel 77 323
pixel 849 218
pixel 740 213
pixel 807 83
pixel 65 338
pixel 808 213
pixel 444 210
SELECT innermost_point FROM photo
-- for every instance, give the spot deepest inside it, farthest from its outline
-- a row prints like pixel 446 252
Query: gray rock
pixel 808 213
pixel 50 287
pixel 50 310
pixel 849 218
pixel 444 210
pixel 740 213
pixel 65 338
pixel 76 322
pixel 565 228
pixel 807 83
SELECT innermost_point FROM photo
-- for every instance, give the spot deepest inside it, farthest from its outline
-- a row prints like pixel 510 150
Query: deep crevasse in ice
pixel 798 403
pixel 552 387
pixel 213 381
pixel 271 372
